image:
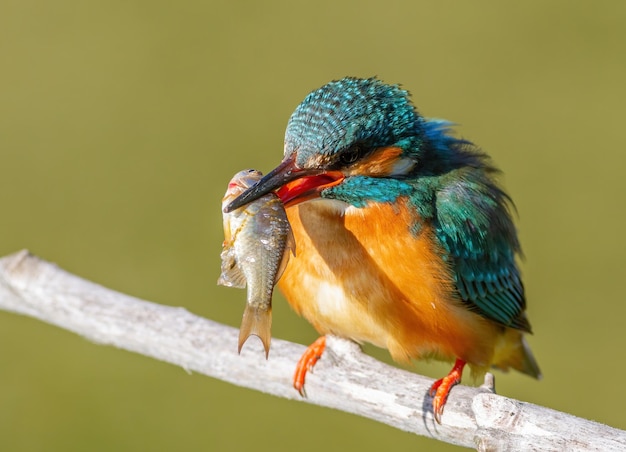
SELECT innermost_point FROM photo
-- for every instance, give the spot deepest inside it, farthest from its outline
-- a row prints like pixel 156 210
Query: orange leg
pixel 311 356
pixel 441 388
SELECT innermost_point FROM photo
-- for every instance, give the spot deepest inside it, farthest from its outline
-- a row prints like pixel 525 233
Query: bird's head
pixel 345 141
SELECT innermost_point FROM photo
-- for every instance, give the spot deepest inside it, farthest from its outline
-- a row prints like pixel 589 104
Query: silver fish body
pixel 257 241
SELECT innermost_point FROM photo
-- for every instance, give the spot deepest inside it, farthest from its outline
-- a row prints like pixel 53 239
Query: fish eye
pixel 351 155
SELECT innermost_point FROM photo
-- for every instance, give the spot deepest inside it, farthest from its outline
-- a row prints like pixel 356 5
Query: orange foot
pixel 441 388
pixel 308 359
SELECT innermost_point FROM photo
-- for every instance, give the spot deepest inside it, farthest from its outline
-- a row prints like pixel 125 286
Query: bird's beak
pixel 292 184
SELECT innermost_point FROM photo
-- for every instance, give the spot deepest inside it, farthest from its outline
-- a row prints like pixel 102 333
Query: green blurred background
pixel 122 121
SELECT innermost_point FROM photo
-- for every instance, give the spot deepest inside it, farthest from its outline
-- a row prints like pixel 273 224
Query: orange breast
pixel 363 275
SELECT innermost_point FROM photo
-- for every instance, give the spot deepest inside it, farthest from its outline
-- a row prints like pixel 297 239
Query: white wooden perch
pixel 345 379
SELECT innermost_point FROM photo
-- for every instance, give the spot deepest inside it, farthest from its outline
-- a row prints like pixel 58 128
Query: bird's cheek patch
pixel 382 162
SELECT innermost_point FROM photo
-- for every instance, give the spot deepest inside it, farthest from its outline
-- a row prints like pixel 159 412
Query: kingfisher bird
pixel 404 237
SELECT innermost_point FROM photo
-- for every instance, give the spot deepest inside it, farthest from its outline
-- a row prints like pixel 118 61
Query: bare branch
pixel 345 379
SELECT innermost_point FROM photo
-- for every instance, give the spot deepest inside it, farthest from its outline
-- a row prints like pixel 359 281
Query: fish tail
pixel 257 322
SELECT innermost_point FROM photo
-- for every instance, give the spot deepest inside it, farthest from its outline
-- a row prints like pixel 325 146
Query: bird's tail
pixel 513 352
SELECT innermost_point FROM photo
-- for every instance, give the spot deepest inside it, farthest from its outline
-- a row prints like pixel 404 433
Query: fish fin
pixel 291 243
pixel 290 248
pixel 231 275
pixel 256 322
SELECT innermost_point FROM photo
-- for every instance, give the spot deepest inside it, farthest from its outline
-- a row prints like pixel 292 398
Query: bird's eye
pixel 351 155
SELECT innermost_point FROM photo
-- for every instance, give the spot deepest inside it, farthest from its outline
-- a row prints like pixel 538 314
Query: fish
pixel 257 244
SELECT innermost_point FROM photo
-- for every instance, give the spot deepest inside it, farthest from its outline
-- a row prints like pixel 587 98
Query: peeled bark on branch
pixel 345 379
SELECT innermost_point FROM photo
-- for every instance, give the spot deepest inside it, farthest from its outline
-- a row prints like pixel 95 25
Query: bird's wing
pixel 473 224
